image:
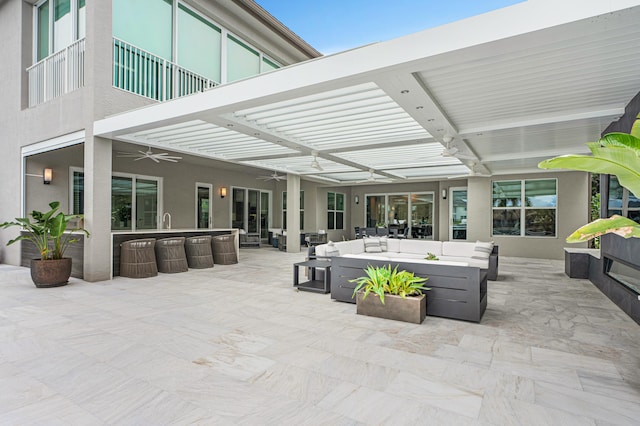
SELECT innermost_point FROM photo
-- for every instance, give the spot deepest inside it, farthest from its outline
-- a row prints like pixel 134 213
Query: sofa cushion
pixel 421 247
pixel 482 250
pixel 372 245
pixel 458 248
pixel 478 263
pixel 384 242
pixel 433 262
pixel 407 256
pixel 393 245
pixel 331 250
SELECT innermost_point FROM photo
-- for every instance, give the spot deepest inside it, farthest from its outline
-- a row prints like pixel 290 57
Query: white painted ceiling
pixel 510 88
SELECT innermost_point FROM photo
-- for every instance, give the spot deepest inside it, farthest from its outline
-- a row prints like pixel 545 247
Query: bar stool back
pixel 224 250
pixel 171 256
pixel 198 251
pixel 138 258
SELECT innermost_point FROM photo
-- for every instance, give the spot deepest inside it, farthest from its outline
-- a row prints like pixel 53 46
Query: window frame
pixel 335 210
pixel 523 208
pixel 74 9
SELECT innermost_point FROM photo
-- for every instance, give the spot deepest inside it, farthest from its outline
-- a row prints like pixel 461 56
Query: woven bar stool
pixel 198 250
pixel 171 256
pixel 138 258
pixel 224 250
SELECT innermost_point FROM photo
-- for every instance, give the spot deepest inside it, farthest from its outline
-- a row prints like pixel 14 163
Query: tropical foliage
pixel 382 280
pixel 47 231
pixel 615 154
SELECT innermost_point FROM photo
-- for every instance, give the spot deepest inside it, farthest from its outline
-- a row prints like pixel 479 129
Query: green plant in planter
pixel 383 280
pixel 47 231
pixel 431 256
pixel 616 154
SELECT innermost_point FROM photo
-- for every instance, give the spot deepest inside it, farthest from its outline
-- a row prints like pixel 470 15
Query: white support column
pixel 97 209
pixel 293 213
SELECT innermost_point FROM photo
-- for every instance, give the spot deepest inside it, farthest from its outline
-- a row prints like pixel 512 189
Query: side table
pixel 317 286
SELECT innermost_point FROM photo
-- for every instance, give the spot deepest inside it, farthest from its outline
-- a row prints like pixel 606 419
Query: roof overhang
pixel 507 89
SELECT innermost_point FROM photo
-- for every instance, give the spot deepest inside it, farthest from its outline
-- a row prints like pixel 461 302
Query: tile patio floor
pixel 238 345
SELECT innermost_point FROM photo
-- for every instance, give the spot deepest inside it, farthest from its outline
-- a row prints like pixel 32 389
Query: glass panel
pixel 540 222
pixel 252 225
pixel 616 194
pixel 301 220
pixel 459 214
pixel 284 200
pixel 264 215
pixel 82 19
pixel 507 193
pixel 624 274
pixel 237 208
pixel 204 200
pixel 145 24
pixel 331 201
pixel 398 209
pixel 506 222
pixel 199 48
pixel 268 65
pixel 242 61
pixel 121 190
pixel 375 211
pixel 540 193
pixel 78 193
pixel 340 202
pixel 331 216
pixel 284 220
pixel 62 30
pixel 146 204
pixel 43 31
pixel 339 220
pixel 301 200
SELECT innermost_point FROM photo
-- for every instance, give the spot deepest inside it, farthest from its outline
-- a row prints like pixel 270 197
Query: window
pixel 199 44
pixel 146 24
pixel 525 207
pixel 242 61
pixel 335 210
pixel 284 210
pixel 59 23
pixel 622 201
pixel 135 200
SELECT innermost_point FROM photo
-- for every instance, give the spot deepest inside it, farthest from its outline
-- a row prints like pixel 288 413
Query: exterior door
pixel 204 199
pixel 458 213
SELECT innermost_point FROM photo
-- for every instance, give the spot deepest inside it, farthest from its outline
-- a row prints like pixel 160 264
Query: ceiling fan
pixel 452 151
pixel 373 179
pixel 314 162
pixel 273 176
pixel 141 155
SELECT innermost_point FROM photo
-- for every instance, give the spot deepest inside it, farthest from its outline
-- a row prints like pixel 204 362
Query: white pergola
pixel 507 89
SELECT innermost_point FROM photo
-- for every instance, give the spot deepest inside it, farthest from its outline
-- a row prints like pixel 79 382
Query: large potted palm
pixel 47 231
pixel 615 154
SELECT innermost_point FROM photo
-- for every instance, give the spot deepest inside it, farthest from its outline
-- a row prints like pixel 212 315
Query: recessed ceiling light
pixel 229 125
pixel 478 134
pixel 404 92
pixel 256 134
pixel 439 130
pixel 419 107
pixel 431 120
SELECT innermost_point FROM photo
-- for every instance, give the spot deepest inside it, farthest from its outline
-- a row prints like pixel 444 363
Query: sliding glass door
pixel 250 210
pixel 410 212
pixel 135 202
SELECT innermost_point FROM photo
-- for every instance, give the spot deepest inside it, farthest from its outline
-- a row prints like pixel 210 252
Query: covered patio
pixel 207 347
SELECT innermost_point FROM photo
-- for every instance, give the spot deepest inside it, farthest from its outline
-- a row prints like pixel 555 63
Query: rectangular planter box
pixel 412 309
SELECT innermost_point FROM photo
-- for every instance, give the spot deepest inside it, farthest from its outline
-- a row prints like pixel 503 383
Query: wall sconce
pixel 47 176
pixel 223 191
pixel 444 194
pixel 356 199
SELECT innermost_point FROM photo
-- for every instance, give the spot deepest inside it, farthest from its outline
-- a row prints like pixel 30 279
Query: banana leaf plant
pixel 47 231
pixel 615 154
pixel 382 280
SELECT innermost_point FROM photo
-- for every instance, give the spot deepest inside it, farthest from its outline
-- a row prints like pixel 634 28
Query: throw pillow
pixel 482 250
pixel 372 245
pixel 383 243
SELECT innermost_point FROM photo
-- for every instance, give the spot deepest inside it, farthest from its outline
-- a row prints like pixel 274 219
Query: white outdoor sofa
pixel 458 280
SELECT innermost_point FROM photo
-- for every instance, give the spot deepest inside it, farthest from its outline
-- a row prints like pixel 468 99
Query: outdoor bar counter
pixel 118 237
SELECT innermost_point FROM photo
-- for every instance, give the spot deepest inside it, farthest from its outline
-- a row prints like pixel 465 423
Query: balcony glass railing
pixel 138 71
pixel 57 74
